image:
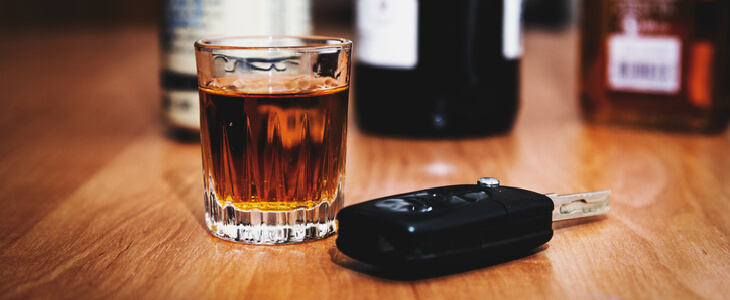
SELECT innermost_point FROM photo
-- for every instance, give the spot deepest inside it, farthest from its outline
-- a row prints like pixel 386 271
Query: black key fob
pixel 445 226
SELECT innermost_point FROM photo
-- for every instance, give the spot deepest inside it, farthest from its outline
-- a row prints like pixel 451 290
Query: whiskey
pixel 273 152
pixel 658 63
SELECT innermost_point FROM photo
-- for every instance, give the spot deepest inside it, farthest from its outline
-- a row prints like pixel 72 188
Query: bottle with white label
pixel 656 63
pixel 186 21
pixel 437 69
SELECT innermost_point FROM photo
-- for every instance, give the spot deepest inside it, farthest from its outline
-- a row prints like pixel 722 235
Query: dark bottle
pixel 551 15
pixel 431 69
pixel 660 63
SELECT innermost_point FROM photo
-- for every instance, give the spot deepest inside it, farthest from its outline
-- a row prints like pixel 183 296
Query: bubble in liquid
pixel 329 82
pixel 304 83
pixel 290 85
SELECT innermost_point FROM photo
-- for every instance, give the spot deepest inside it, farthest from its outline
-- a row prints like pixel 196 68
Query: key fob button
pixel 474 196
pixel 402 205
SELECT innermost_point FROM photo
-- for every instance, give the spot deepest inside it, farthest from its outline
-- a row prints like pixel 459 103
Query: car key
pixel 457 224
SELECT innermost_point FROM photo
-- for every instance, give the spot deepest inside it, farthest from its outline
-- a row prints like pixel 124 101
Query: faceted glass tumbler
pixel 273 127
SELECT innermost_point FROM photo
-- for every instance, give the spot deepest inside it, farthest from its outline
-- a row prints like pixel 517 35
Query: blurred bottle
pixel 185 21
pixel 434 69
pixel 658 63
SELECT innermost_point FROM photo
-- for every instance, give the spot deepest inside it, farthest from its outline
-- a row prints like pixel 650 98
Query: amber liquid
pixel 701 101
pixel 273 152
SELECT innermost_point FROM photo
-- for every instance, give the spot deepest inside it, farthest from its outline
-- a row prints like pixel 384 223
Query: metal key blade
pixel 580 205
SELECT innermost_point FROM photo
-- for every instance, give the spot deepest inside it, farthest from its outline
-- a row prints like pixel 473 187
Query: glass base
pixel 271 227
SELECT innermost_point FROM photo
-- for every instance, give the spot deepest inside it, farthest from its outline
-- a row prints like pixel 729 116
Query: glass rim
pixel 337 42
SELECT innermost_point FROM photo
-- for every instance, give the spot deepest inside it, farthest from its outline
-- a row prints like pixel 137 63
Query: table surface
pixel 101 203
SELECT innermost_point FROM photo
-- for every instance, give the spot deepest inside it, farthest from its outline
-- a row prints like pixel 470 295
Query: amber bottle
pixel 656 63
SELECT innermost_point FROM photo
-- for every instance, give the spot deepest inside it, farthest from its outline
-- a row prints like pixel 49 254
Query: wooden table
pixel 100 203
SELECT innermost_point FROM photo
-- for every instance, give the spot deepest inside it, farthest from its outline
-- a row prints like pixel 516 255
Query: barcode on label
pixel 644 64
pixel 643 71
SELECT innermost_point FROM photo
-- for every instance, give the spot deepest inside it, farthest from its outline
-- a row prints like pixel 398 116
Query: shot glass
pixel 273 128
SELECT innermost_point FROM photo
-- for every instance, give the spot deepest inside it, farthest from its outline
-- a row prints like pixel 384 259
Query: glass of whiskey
pixel 273 128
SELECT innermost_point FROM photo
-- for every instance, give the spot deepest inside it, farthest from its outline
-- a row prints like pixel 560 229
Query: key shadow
pixel 415 273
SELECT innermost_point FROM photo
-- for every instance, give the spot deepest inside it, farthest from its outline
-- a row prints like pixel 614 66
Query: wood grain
pixel 99 202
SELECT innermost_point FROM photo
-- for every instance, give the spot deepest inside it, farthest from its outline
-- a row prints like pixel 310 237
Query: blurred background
pixel 62 15
pixel 85 14
pixel 337 17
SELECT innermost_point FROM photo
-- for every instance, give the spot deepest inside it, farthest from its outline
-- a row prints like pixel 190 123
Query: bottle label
pixel 512 29
pixel 388 33
pixel 182 108
pixel 649 64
